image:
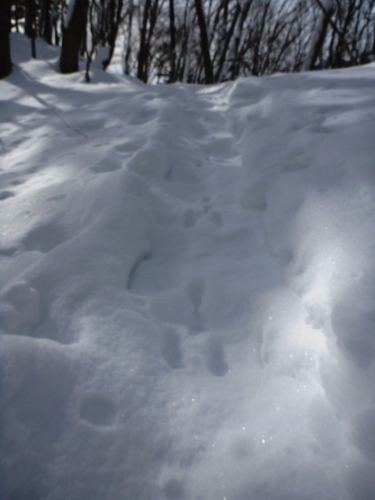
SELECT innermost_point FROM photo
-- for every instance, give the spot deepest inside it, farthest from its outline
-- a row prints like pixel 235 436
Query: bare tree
pixel 172 29
pixel 114 20
pixel 227 40
pixel 94 20
pixel 143 55
pixel 45 22
pixel 204 42
pixel 30 24
pixel 128 37
pixel 319 35
pixel 5 59
pixel 339 45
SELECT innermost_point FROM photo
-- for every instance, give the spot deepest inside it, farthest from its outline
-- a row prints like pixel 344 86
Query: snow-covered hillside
pixel 187 286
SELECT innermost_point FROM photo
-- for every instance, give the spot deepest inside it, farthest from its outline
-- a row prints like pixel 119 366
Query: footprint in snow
pixel 91 125
pixel 141 258
pixel 216 218
pixel 18 182
pixel 363 433
pixel 106 165
pixel 19 309
pixel 58 197
pixel 98 409
pixel 6 194
pixel 195 291
pixel 189 218
pixel 213 216
pixel 173 489
pixel 44 238
pixel 8 252
pixel 171 349
pixel 33 170
pixel 144 116
pixel 296 159
pixel 129 146
pixel 254 196
pixel 215 358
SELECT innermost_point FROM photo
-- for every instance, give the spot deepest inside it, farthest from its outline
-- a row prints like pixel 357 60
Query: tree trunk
pixel 16 16
pixel 226 42
pixel 319 36
pixel 153 18
pixel 115 23
pixel 237 53
pixel 45 21
pixel 142 56
pixel 189 41
pixel 30 31
pixel 5 60
pixel 73 34
pixel 204 42
pixel 172 29
pixel 129 40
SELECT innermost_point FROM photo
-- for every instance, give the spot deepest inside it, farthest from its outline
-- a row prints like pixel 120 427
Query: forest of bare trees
pixel 195 41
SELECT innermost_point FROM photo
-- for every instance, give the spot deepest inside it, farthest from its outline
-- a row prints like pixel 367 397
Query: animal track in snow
pixel 129 146
pixel 98 410
pixel 254 196
pixel 296 159
pixel 44 238
pixel 363 433
pixel 8 252
pixel 152 161
pixel 216 218
pixel 46 377
pixel 189 218
pixel 106 165
pixel 195 291
pixel 33 170
pixel 144 116
pixel 91 125
pixel 6 194
pixel 171 349
pixel 19 309
pixel 221 145
pixel 21 314
pixel 215 358
pixel 58 197
pixel 173 489
pixel 132 275
pixel 25 493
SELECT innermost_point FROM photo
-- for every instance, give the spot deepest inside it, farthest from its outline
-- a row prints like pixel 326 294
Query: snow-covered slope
pixel 187 287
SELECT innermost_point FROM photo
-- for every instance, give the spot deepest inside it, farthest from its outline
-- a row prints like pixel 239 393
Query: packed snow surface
pixel 187 286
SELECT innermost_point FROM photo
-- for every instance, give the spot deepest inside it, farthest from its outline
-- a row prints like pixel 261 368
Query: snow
pixel 187 286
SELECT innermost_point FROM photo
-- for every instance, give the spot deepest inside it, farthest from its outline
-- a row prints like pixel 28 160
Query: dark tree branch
pixel 204 42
